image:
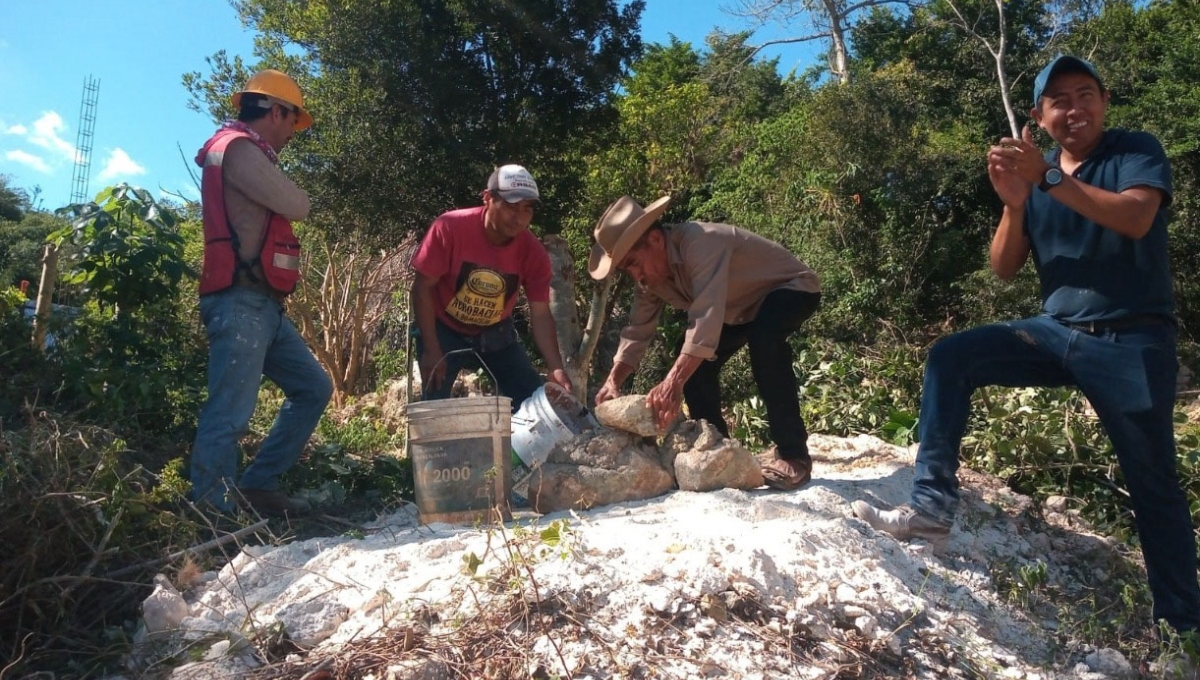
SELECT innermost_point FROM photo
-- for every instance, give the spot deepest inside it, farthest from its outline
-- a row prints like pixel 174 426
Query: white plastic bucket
pixel 549 416
pixel 453 444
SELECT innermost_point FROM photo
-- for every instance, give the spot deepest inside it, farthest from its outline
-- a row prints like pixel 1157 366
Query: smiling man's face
pixel 1072 110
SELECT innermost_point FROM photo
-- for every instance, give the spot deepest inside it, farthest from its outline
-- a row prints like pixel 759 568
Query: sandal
pixel 787 475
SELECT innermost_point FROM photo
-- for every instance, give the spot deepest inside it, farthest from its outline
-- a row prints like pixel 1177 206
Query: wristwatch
pixel 1051 179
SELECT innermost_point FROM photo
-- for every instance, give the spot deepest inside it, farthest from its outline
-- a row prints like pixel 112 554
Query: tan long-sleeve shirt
pixel 720 275
pixel 254 186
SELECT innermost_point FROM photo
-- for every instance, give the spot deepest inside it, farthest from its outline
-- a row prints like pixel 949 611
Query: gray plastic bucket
pixel 460 455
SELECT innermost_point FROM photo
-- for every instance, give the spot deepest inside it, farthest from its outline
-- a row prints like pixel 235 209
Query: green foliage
pixel 1021 583
pixel 356 459
pixel 748 424
pixel 13 202
pixel 126 357
pixel 29 377
pixel 330 475
pixel 850 390
pixel 436 91
pixel 361 434
pixel 22 244
pixel 130 253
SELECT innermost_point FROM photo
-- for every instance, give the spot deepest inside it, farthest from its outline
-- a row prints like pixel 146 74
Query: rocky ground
pixel 752 584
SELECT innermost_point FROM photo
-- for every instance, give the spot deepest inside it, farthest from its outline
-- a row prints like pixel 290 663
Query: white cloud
pixel 119 164
pixel 16 130
pixel 26 158
pixel 47 134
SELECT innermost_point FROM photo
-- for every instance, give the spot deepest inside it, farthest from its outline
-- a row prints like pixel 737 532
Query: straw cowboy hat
pixel 618 229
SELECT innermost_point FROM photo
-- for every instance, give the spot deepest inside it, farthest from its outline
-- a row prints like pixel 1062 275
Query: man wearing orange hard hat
pixel 251 263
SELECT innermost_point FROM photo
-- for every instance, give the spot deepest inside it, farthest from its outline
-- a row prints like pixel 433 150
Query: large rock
pixel 629 413
pixel 703 460
pixel 586 471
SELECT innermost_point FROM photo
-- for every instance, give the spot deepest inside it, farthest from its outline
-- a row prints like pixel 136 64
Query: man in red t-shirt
pixel 468 270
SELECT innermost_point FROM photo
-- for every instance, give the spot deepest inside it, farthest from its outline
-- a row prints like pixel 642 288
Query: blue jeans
pixel 514 373
pixel 1128 375
pixel 250 337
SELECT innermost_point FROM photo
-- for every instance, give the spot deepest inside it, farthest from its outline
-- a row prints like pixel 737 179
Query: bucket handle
pixel 495 383
pixel 483 363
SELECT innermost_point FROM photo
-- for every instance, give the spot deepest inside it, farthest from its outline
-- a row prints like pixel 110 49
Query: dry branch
pixel 339 314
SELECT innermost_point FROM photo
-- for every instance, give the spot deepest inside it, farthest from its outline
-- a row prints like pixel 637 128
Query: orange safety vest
pixel 278 262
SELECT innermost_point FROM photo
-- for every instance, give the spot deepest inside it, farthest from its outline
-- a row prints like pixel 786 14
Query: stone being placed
pixel 703 460
pixel 629 413
pixel 586 471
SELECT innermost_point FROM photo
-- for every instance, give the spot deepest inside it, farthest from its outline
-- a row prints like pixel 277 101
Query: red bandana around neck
pixel 254 136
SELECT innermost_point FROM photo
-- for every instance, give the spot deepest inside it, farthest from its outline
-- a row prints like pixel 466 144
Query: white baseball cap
pixel 513 183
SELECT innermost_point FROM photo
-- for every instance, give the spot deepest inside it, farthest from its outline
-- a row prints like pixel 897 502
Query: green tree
pixel 21 247
pixel 1149 56
pixel 13 202
pixel 417 100
pixel 126 356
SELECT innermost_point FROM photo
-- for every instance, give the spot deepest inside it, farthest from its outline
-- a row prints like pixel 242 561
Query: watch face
pixel 1053 176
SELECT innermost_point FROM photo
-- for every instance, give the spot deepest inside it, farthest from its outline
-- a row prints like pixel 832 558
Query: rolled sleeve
pixel 643 323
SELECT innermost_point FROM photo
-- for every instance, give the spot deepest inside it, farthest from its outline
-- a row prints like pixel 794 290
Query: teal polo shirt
pixel 1087 272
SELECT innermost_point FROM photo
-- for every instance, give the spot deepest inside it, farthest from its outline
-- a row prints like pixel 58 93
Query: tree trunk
pixel 838 59
pixel 41 316
pixel 565 311
pixel 577 342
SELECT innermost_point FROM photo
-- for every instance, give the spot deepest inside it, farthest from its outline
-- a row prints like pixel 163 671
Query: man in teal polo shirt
pixel 1092 213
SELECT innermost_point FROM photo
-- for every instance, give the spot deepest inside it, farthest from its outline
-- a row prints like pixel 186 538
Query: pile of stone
pixel 629 458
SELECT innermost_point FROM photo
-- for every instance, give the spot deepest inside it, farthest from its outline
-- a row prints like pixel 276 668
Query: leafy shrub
pixel 28 377
pixel 357 456
pixel 331 475
pixel 126 358
pixel 851 389
pixel 21 246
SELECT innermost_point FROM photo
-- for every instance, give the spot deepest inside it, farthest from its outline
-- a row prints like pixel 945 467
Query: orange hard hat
pixel 279 85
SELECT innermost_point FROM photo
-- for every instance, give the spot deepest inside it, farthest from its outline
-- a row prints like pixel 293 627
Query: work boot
pixel 271 503
pixel 904 522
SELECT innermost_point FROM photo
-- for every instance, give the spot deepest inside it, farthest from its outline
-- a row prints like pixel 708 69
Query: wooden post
pixel 45 294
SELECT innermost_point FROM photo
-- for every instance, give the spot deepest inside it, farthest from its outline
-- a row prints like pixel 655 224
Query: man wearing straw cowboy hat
pixel 468 269
pixel 739 289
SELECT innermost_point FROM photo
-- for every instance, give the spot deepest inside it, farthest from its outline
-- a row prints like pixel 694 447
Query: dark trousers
pixel 1128 375
pixel 504 358
pixel 781 314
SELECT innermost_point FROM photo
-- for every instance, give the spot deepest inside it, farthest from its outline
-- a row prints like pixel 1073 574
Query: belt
pixel 1119 324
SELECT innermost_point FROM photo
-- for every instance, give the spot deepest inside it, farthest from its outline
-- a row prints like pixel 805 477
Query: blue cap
pixel 1059 64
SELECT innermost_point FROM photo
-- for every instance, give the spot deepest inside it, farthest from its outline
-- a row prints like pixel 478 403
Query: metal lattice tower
pixel 83 141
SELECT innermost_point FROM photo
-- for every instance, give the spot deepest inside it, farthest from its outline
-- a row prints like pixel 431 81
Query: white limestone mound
pixel 729 583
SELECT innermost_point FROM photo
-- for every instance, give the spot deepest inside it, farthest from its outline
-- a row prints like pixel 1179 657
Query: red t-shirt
pixel 476 281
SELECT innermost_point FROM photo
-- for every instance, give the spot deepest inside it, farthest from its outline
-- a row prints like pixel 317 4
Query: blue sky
pixel 138 50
